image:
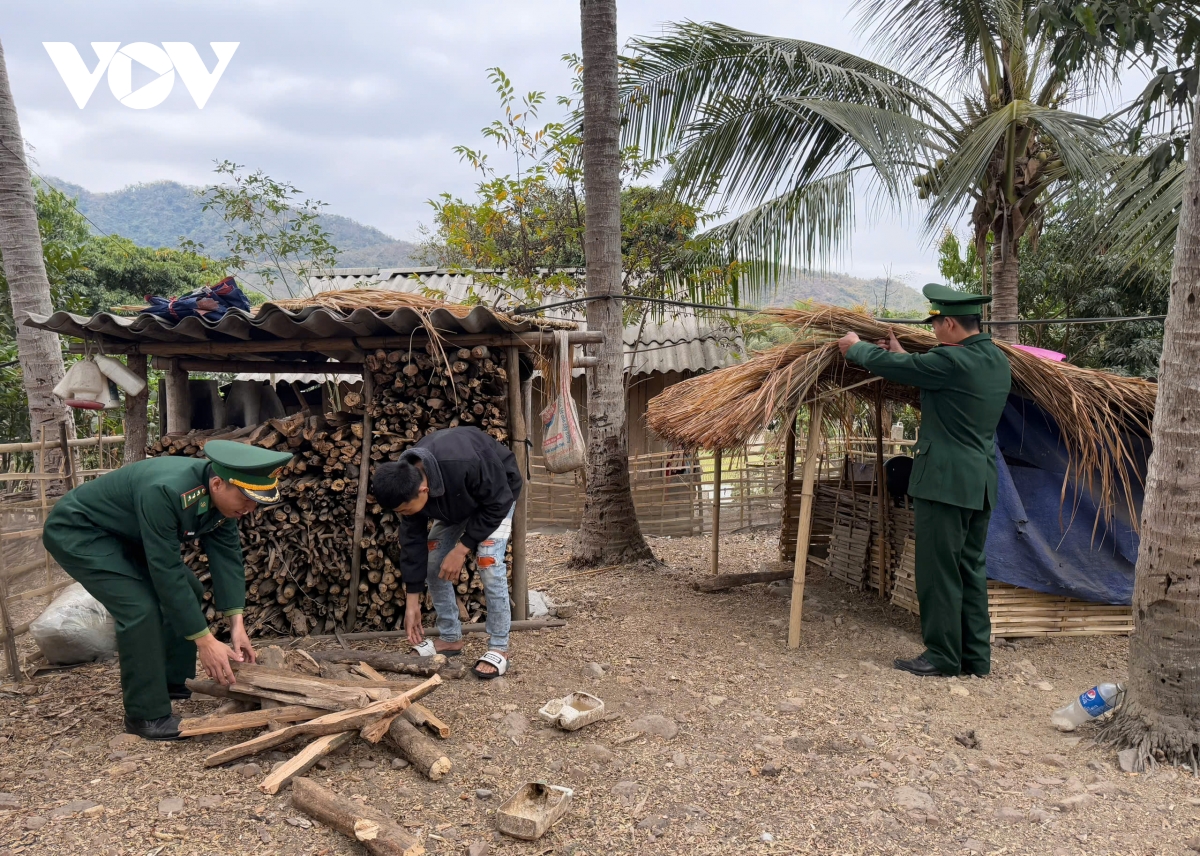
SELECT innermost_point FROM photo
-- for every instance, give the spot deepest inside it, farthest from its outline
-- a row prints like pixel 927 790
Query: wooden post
pixel 360 506
pixel 41 483
pixel 136 425
pixel 716 513
pixel 789 476
pixel 517 437
pixel 64 432
pixel 804 525
pixel 881 494
pixel 179 404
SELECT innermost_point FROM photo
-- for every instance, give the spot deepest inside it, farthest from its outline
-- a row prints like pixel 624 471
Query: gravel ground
pixel 719 740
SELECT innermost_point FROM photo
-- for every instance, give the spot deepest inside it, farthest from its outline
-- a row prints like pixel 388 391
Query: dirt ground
pixel 748 747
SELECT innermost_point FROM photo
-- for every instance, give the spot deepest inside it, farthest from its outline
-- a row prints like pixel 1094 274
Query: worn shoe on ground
pixel 919 666
pixel 163 728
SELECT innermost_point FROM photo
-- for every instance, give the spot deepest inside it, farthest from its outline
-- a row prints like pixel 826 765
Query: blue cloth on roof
pixel 1041 541
pixel 225 293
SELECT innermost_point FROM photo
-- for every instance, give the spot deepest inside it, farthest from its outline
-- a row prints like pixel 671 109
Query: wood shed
pixel 839 508
pixel 409 365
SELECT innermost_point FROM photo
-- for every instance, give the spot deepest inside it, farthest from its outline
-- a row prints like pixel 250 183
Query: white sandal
pixel 492 658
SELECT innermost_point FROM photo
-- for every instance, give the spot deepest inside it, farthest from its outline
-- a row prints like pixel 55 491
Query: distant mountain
pixel 842 289
pixel 160 213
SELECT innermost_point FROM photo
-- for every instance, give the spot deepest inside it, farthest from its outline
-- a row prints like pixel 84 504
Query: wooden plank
pixel 250 719
pixel 303 761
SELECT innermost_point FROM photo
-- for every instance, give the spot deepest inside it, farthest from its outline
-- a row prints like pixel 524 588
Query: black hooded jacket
pixel 472 479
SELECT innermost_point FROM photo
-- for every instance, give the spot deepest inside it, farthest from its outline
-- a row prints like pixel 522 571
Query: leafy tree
pixel 112 271
pixel 787 127
pixel 273 234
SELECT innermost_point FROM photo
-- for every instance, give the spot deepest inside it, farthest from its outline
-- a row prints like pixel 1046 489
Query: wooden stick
pixel 417 713
pixel 250 719
pixel 517 435
pixel 881 494
pixel 378 834
pixel 716 514
pixel 360 503
pixel 804 525
pixel 477 627
pixel 329 724
pixel 721 582
pixel 419 749
pixel 302 761
pixel 407 664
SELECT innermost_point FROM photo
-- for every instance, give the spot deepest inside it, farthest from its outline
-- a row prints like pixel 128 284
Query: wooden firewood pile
pixel 298 553
pixel 301 697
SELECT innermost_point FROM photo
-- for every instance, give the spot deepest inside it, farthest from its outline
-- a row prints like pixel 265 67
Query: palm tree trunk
pixel 1004 291
pixel 25 269
pixel 1160 718
pixel 609 533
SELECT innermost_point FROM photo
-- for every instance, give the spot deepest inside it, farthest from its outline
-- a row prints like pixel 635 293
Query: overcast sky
pixel 357 103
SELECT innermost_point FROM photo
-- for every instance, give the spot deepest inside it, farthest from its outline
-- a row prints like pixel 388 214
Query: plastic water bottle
pixel 1095 702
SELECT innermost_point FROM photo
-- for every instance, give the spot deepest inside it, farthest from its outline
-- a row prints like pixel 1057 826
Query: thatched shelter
pixel 1103 421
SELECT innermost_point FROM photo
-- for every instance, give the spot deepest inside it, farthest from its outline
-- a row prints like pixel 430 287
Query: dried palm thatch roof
pixel 349 300
pixel 1096 412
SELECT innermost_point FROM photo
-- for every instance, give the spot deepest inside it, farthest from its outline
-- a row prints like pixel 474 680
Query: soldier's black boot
pixel 178 692
pixel 163 728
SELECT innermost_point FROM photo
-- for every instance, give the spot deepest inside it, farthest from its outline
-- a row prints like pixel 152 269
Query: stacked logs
pixel 298 553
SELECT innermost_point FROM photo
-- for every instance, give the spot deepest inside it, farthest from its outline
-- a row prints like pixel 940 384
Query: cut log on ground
pixel 422 752
pixel 249 719
pixel 721 582
pixel 303 761
pixel 404 664
pixel 419 715
pixel 379 834
pixel 332 723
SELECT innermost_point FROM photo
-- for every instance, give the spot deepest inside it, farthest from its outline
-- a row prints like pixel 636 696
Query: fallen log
pixel 721 582
pixel 421 752
pixel 345 720
pixel 378 834
pixel 249 719
pixel 303 761
pixel 405 664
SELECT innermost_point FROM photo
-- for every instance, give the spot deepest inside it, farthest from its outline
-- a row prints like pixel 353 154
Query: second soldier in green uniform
pixel 964 384
pixel 120 537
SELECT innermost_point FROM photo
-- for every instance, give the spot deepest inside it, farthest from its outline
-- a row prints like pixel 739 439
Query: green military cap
pixel 250 468
pixel 944 300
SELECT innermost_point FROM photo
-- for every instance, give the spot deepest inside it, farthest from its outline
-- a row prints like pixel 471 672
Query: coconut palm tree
pixel 609 532
pixel 785 128
pixel 25 269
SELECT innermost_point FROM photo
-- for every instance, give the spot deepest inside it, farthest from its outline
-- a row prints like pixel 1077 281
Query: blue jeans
pixel 492 571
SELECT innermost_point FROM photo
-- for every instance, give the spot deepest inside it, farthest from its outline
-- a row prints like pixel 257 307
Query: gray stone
pixel 366 764
pixel 567 610
pixel 1009 814
pixel 771 768
pixel 655 824
pixel 1127 758
pixel 658 726
pixel 300 822
pixel 124 741
pixel 593 670
pixel 9 801
pixel 973 845
pixel 626 792
pixel 483 794
pixel 493 772
pixel 1052 760
pixel 170 806
pixel 866 741
pixel 1103 788
pixel 913 800
pixel 715 700
pixel 680 760
pixel 1039 815
pixel 992 764
pixel 598 753
pixel 211 801
pixel 514 725
pixel 789 706
pixel 34 823
pixel 399 763
pixel 1078 801
pixel 250 771
pixel 479 848
pixel 76 807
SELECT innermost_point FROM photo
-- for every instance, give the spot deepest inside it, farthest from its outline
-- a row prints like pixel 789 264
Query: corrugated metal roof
pixel 677 341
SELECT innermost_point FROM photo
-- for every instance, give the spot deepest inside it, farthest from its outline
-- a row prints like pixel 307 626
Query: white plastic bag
pixel 562 438
pixel 75 628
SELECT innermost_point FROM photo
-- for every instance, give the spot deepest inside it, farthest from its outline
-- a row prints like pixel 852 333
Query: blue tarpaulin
pixel 1041 540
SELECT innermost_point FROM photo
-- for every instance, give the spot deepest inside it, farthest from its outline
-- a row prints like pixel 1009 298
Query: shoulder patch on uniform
pixel 189 497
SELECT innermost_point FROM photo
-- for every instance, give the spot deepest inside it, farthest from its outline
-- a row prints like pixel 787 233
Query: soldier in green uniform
pixel 120 536
pixel 964 383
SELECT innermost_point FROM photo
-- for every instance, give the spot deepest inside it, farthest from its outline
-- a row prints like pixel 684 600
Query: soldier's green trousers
pixel 952 586
pixel 152 653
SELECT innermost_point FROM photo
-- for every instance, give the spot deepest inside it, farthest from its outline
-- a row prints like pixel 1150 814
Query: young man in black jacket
pixel 467 484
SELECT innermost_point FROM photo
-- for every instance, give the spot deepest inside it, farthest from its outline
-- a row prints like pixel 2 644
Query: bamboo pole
pixel 360 506
pixel 804 525
pixel 64 430
pixel 517 434
pixel 881 494
pixel 10 640
pixel 716 514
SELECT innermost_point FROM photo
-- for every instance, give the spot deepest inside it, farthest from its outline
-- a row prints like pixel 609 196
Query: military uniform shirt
pixel 155 505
